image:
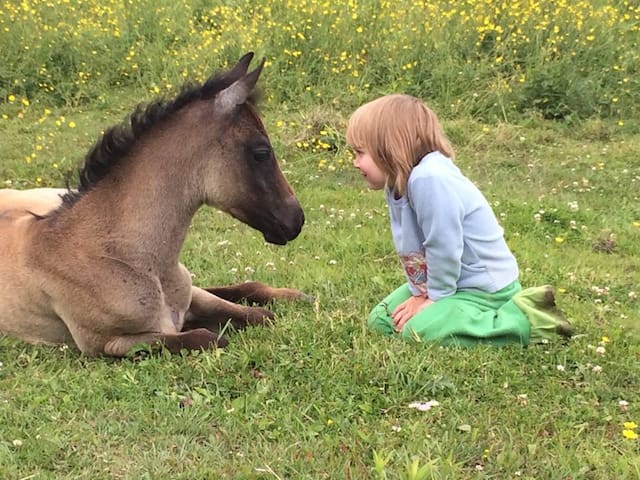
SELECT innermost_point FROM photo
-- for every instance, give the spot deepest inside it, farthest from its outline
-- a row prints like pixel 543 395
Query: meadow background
pixel 541 100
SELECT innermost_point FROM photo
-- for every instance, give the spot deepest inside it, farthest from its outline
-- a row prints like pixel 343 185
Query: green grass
pixel 317 395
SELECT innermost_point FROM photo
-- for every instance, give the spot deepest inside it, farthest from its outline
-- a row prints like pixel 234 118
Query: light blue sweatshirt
pixel 446 233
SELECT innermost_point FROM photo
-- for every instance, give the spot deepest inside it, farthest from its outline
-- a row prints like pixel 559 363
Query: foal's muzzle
pixel 286 222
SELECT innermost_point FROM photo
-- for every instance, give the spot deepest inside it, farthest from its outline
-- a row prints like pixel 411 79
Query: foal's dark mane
pixel 119 139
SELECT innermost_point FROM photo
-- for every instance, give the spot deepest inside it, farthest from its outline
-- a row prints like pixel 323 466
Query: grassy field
pixel 543 118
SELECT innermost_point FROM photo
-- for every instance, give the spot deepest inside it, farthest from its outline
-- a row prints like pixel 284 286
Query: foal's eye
pixel 262 154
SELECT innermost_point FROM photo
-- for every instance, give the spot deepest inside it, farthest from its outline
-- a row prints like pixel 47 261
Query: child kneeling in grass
pixel 469 293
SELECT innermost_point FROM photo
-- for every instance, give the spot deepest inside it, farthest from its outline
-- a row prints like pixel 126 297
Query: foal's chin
pixel 280 233
pixel 275 230
pixel 277 239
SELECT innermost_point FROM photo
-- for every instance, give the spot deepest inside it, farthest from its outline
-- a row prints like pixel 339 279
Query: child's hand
pixel 406 310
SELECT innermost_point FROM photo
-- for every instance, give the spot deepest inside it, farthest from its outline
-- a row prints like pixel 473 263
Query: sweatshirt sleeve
pixel 440 212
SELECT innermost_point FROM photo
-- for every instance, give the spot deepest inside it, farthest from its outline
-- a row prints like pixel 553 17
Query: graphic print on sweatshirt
pixel 415 266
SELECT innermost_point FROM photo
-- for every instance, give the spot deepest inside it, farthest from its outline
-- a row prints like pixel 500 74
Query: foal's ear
pixel 238 92
pixel 239 70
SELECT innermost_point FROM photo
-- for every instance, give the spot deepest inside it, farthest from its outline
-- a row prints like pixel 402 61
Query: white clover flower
pixel 424 406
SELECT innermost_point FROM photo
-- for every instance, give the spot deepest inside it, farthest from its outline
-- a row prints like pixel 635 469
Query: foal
pixel 98 269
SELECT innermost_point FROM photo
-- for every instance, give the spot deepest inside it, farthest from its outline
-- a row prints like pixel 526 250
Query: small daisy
pixel 424 406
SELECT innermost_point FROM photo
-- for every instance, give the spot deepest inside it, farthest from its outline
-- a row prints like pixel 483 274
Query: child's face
pixel 370 171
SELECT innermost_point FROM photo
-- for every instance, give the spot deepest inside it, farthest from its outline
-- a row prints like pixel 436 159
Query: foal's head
pixel 238 171
pixel 214 140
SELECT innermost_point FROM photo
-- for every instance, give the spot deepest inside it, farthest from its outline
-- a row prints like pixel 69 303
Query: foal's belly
pixel 34 328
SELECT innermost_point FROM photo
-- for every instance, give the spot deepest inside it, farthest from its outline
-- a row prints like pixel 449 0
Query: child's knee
pixel 380 320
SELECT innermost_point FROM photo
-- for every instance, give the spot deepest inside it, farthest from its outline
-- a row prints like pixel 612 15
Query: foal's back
pixel 39 200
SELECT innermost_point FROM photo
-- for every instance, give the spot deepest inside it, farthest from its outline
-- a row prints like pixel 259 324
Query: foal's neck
pixel 148 203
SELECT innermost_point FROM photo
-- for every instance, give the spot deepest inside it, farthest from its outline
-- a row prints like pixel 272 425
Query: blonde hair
pixel 397 131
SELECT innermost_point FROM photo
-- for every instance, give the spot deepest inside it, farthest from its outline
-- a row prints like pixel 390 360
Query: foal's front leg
pixel 213 312
pixel 196 339
pixel 256 292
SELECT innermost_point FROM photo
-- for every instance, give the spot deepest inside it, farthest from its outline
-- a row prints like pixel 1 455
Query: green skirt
pixel 510 315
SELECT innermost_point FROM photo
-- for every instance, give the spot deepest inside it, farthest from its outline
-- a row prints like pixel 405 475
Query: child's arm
pixel 440 211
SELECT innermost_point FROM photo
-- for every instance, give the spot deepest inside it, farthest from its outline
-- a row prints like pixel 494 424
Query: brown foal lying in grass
pixel 97 268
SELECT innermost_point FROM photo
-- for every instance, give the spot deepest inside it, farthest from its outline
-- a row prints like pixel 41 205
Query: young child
pixel 462 280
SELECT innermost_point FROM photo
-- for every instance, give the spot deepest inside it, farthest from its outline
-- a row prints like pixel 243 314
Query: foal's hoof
pixel 221 342
pixel 298 295
pixel 261 316
pixel 204 339
pixel 214 340
pixel 305 297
